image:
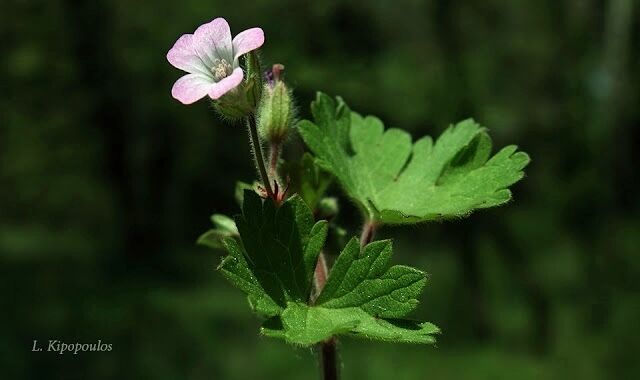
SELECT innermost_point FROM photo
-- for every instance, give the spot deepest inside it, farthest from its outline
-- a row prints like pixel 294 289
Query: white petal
pixel 191 88
pixel 183 57
pixel 213 41
pixel 247 41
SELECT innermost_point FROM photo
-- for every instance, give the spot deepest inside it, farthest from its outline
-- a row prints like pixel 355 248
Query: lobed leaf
pixel 396 181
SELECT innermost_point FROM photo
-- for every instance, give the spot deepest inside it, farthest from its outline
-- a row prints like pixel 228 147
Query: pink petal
pixel 246 41
pixel 226 84
pixel 213 41
pixel 183 57
pixel 191 88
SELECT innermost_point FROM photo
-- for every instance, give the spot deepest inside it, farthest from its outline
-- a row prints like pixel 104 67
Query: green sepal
pixel 242 101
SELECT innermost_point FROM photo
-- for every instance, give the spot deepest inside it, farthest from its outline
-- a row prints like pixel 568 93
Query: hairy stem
pixel 328 349
pixel 368 232
pixel 274 156
pixel 257 154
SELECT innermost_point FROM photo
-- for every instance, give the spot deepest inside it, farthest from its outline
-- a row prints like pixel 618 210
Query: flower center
pixel 221 69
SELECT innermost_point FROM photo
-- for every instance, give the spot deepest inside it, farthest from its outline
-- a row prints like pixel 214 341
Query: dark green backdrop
pixel 106 181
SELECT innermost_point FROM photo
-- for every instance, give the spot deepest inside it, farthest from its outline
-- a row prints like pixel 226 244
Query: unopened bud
pixel 276 111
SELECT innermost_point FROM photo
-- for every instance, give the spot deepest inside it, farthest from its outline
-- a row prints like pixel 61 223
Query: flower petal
pixel 226 84
pixel 191 88
pixel 213 41
pixel 183 57
pixel 246 41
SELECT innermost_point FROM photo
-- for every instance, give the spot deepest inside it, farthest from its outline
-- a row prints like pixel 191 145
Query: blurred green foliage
pixel 106 182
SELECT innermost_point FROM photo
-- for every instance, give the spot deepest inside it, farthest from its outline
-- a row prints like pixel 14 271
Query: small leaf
pixel 225 227
pixel 212 239
pixel 394 181
pixel 224 223
pixel 280 245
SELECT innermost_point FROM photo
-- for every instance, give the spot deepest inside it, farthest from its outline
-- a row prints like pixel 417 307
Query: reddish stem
pixel 368 232
pixel 328 348
pixel 321 274
pixel 274 157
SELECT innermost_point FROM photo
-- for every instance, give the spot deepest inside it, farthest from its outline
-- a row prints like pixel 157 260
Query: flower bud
pixel 276 111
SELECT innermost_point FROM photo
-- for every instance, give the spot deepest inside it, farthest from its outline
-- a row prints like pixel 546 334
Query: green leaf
pixel 225 227
pixel 241 187
pixel 306 325
pixel 236 269
pixel 396 181
pixel 273 263
pixel 364 297
pixel 280 245
pixel 368 282
pixel 224 223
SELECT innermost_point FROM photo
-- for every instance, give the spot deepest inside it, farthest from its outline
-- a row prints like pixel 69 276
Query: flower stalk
pixel 258 156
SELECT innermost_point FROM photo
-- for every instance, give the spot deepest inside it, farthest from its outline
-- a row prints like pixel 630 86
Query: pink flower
pixel 210 57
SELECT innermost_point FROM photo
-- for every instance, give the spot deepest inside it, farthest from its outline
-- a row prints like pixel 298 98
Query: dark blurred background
pixel 106 182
